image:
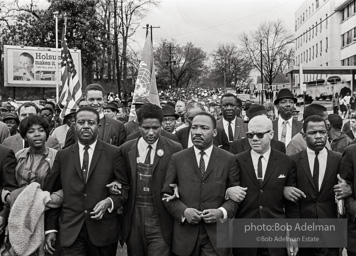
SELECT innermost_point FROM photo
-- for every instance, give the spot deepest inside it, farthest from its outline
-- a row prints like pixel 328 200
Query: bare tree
pixel 273 40
pixel 230 66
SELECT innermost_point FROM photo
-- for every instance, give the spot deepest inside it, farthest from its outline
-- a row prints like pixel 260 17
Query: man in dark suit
pixel 285 127
pixel 7 169
pixel 316 171
pixel 231 122
pixel 110 130
pixel 347 172
pixel 89 224
pixel 203 173
pixel 15 142
pixel 184 134
pixel 242 145
pixel 264 172
pixel 147 226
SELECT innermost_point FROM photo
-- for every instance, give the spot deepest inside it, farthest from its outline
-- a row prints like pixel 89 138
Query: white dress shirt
pixel 226 127
pixel 322 157
pixel 289 129
pixel 90 153
pixel 142 147
pixel 255 156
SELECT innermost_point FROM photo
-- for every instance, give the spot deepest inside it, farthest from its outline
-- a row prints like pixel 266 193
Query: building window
pixel 313 53
pixel 316 51
pixel 317 4
pixel 316 28
pixel 326 45
pixel 312 7
pixel 310 54
pixel 321 48
pixel 313 31
pixel 326 64
pixel 326 22
pixel 321 24
pixel 343 40
pixel 306 59
pixel 303 17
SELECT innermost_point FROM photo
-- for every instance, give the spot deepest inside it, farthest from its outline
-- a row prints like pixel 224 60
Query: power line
pixel 229 22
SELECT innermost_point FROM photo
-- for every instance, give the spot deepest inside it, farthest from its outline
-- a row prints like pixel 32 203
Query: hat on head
pixel 255 110
pixel 284 93
pixel 72 111
pixel 169 111
pixel 11 116
pixel 141 101
pixel 112 105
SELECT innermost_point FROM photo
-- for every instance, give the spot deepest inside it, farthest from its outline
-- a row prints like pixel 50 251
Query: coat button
pixel 85 211
pixel 261 207
pixel 85 195
pixel 261 190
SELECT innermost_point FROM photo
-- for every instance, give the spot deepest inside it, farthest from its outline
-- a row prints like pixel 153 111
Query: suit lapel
pixel 161 145
pixel 193 161
pixel 76 159
pixel 185 137
pixel 97 153
pixel 305 164
pixel 250 169
pixel 275 129
pixel 329 169
pixel 106 127
pixel 212 162
pixel 272 161
pixel 133 162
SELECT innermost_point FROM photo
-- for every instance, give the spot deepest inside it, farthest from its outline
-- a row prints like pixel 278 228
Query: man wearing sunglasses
pixel 265 172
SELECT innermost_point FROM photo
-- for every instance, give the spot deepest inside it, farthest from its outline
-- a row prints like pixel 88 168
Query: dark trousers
pixel 82 246
pixel 203 245
pixel 145 238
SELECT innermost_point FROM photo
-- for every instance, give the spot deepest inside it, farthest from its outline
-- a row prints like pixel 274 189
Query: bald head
pixel 260 133
pixel 261 121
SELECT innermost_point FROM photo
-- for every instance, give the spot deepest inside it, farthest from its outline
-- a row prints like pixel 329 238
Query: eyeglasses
pixel 168 120
pixel 259 135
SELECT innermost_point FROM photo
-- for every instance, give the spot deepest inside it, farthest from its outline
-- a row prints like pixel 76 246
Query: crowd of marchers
pixel 160 182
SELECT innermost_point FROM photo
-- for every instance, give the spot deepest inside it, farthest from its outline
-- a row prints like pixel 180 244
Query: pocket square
pixel 281 176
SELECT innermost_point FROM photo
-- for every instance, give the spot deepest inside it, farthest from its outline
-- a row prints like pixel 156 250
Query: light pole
pixel 261 72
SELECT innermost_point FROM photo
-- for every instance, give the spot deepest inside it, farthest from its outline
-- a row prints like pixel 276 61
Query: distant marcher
pixel 12 121
pixel 336 103
pixel 338 140
pixel 169 118
pixel 352 132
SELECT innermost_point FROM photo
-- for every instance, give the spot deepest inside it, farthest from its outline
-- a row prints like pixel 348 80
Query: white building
pixel 325 32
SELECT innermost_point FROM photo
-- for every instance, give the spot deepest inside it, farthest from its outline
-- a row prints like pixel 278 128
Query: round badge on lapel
pixel 160 152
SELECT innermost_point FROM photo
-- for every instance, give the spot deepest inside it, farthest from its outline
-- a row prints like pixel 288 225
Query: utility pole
pixel 261 72
pixel 170 62
pixel 150 27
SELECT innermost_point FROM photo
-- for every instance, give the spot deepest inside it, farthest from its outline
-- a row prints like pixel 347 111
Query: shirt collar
pixel 265 155
pixel 226 123
pixel 144 145
pixel 207 151
pixel 27 151
pixel 101 115
pixel 92 146
pixel 312 152
pixel 281 120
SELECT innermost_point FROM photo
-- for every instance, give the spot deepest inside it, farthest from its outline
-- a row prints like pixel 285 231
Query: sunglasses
pixel 259 135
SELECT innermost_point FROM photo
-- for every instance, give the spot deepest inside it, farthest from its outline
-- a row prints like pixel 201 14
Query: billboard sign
pixel 35 66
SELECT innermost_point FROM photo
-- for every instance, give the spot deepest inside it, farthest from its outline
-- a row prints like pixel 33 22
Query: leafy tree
pixel 273 40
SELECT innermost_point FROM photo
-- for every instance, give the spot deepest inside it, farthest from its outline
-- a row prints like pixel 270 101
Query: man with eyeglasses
pixel 233 125
pixel 111 131
pixel 169 119
pixel 285 127
pixel 265 172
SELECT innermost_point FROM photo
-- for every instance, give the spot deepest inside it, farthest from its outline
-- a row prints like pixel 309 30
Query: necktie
pixel 259 170
pixel 202 163
pixel 85 163
pixel 316 171
pixel 231 136
pixel 284 131
pixel 148 156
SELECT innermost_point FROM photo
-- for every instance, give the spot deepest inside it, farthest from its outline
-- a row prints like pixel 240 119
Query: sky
pixel 208 23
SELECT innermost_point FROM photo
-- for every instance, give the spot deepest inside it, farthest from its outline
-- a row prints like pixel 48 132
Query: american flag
pixel 70 91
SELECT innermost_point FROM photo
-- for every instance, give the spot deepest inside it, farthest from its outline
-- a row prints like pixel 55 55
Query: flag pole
pixel 57 76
